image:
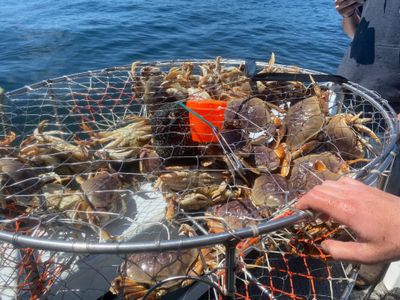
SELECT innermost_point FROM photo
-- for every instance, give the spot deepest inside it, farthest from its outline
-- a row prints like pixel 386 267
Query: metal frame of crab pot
pixel 371 174
pixel 229 240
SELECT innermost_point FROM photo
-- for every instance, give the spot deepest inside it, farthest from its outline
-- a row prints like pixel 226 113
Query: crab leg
pixel 131 289
pixel 170 209
pixel 357 160
pixel 368 131
pixel 288 157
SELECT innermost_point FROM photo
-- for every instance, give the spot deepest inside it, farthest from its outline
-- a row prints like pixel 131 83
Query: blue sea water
pixel 41 39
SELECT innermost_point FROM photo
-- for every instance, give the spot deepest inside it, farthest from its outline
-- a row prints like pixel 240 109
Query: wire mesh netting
pixel 159 164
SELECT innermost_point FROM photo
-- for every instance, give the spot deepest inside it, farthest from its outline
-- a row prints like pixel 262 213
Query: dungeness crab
pixel 144 270
pixel 99 199
pixel 124 142
pixel 232 215
pixel 194 189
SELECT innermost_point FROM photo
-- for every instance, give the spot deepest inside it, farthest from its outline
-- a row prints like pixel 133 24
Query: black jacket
pixel 373 58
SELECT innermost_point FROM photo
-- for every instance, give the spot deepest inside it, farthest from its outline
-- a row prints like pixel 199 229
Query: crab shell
pixel 101 193
pixel 149 161
pixel 100 190
pixel 18 178
pixel 146 269
pixel 305 175
pixel 249 114
pixel 152 267
pixel 236 214
pixel 303 121
pixel 260 158
pixel 270 191
pixel 59 198
pixel 319 174
pixel 344 137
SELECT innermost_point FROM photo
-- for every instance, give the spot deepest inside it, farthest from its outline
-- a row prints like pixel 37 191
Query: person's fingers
pixel 350 251
pixel 347 8
pixel 330 201
pixel 345 2
pixel 340 250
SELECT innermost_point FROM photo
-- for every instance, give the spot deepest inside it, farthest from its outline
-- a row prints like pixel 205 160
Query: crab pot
pixel 207 113
pixel 67 233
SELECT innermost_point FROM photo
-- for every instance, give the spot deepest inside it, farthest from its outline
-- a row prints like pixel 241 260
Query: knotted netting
pixel 127 181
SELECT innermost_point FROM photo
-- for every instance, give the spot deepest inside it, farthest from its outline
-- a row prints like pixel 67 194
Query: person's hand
pixel 346 8
pixel 373 215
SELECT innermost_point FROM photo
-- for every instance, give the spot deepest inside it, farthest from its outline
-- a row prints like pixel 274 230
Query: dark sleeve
pixel 359 10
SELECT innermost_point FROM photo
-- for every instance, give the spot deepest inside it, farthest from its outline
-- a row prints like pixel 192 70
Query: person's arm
pixel 373 215
pixel 348 10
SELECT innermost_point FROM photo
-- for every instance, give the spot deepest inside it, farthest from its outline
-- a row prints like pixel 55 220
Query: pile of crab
pixel 277 141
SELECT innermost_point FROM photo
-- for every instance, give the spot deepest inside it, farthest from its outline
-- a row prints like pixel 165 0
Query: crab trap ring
pixel 158 164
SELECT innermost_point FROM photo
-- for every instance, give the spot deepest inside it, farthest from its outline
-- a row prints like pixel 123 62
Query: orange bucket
pixel 212 111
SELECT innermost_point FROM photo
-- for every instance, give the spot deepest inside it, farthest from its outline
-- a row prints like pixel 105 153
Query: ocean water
pixel 41 39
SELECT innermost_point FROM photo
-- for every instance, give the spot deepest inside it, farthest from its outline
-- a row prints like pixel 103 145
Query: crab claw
pixel 8 139
pixel 130 288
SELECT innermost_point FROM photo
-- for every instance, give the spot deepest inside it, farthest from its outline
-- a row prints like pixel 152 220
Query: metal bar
pixel 263 289
pixel 230 269
pixel 22 241
pixel 349 287
pixel 298 77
